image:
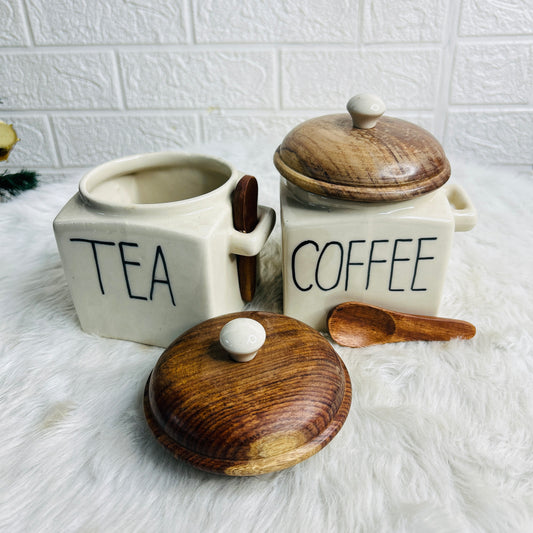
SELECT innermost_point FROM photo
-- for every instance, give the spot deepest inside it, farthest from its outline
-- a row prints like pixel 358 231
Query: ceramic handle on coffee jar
pixel 464 213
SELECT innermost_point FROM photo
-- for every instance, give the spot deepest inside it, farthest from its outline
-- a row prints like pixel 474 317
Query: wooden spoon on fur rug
pixel 356 325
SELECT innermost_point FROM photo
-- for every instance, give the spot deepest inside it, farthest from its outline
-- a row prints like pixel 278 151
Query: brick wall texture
pixel 87 81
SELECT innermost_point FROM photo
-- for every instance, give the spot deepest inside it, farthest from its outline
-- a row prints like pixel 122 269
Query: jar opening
pixel 154 179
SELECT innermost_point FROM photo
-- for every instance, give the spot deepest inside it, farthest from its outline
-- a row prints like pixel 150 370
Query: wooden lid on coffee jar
pixel 237 418
pixel 362 156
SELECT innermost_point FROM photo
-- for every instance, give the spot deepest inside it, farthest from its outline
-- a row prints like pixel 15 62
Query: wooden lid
pixel 359 156
pixel 244 419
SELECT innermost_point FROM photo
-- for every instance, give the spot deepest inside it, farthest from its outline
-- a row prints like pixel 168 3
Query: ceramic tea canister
pixel 366 212
pixel 247 393
pixel 149 246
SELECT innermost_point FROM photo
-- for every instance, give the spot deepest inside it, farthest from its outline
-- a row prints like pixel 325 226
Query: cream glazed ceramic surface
pixel 393 255
pixel 148 245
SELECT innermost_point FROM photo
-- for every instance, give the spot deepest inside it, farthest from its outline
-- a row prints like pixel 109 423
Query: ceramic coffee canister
pixel 366 213
pixel 149 247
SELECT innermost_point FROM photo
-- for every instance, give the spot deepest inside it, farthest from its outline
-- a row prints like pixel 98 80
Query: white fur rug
pixel 439 437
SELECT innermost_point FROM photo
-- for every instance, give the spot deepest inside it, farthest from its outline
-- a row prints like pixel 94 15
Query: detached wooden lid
pixel 361 156
pixel 250 418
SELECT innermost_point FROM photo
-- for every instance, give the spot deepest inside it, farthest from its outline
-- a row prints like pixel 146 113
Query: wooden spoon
pixel 356 325
pixel 245 220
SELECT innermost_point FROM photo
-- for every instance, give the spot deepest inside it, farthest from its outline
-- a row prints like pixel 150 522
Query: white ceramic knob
pixel 365 109
pixel 242 338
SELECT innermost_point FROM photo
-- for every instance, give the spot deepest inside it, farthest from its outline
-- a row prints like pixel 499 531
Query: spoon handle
pixel 245 220
pixel 430 328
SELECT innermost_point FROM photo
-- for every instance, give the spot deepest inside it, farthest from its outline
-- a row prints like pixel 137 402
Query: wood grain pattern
pixel 245 220
pixel 395 160
pixel 356 325
pixel 244 419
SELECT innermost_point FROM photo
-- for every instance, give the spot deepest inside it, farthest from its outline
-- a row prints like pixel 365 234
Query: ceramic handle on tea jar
pixel 464 213
pixel 252 243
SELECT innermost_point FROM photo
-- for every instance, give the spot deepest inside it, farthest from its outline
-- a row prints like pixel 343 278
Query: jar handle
pixel 464 213
pixel 250 244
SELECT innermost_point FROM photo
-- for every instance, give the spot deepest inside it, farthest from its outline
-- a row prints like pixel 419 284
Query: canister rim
pixel 152 160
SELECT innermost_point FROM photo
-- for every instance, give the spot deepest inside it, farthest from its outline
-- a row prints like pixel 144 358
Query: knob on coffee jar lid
pixel 247 393
pixel 362 155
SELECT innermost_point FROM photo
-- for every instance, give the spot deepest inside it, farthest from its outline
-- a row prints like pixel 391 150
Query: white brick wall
pixel 198 79
pixel 321 79
pixel 67 22
pixel 87 81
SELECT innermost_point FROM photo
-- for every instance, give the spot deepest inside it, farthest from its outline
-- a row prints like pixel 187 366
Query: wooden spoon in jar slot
pixel 245 219
pixel 356 325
